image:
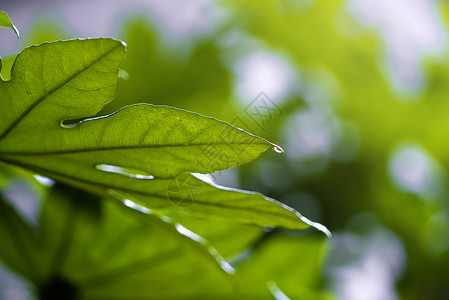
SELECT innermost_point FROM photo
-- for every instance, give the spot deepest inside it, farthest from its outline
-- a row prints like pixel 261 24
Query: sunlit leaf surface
pixel 135 153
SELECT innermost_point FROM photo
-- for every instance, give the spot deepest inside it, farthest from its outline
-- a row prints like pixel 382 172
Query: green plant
pixel 127 188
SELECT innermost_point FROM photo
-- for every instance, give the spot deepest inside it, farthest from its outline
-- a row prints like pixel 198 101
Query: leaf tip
pixel 315 225
pixel 16 31
pixel 277 148
pixel 5 21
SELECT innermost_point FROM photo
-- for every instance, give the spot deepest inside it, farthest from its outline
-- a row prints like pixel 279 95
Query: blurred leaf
pixel 6 65
pixel 195 79
pixel 18 242
pixel 5 21
pixel 355 57
pixel 230 239
pixel 291 262
pixel 45 28
pixel 90 249
pixel 93 248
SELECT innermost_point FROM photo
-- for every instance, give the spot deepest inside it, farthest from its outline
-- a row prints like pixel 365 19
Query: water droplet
pixel 138 207
pixel 129 172
pixel 123 74
pixel 278 149
pixel 70 123
pixel 44 180
pixel 66 124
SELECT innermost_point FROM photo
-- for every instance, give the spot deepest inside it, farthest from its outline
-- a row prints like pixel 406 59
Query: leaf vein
pixel 48 93
pixel 133 147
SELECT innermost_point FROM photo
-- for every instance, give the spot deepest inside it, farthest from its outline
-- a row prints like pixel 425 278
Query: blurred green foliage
pixel 384 119
pixel 89 249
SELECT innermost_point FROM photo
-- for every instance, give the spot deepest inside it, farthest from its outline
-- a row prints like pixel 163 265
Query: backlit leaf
pixel 142 152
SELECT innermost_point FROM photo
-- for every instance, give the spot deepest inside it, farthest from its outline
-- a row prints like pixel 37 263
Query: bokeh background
pixel 356 92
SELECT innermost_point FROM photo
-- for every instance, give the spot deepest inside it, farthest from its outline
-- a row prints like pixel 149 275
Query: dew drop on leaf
pixel 278 149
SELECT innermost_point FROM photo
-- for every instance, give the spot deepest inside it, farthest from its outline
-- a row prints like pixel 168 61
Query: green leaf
pixel 103 251
pixel 138 140
pixel 58 80
pixel 203 82
pixel 18 242
pixel 95 249
pixel 137 152
pixel 287 262
pixel 5 21
pixel 5 66
pixel 198 196
pixel 229 238
pixel 75 79
pixel 191 194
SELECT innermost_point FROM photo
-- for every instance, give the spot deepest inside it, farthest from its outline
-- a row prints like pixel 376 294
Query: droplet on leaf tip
pixel 278 149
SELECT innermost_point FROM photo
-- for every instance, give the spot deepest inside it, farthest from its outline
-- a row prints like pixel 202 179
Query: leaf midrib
pixel 86 150
pixel 50 92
